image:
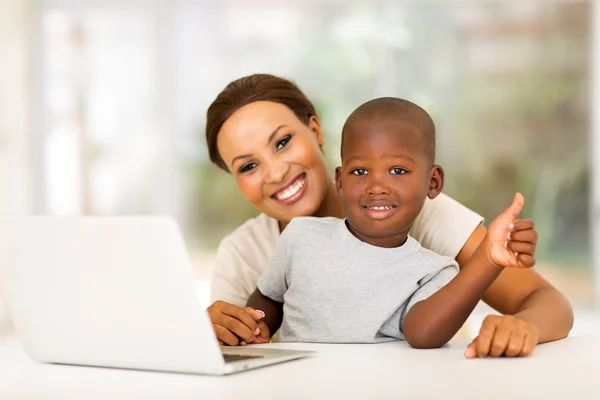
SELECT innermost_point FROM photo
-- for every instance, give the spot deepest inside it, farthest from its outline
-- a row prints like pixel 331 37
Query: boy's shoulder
pixel 314 226
pixel 313 222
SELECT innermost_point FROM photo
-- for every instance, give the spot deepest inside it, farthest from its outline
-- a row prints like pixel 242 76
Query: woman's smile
pixel 288 174
pixel 291 191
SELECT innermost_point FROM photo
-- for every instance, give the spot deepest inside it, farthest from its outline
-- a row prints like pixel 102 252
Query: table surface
pixel 566 369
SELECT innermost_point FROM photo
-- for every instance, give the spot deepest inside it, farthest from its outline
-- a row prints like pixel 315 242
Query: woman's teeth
pixel 380 208
pixel 289 192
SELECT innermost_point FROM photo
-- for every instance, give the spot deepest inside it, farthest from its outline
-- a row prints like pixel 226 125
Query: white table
pixel 567 369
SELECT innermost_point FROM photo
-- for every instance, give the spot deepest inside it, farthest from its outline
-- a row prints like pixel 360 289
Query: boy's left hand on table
pixel 503 335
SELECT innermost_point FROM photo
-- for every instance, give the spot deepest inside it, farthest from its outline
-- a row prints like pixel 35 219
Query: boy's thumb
pixel 515 207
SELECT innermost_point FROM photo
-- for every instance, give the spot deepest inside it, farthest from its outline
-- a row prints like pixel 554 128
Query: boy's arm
pixel 273 310
pixel 433 321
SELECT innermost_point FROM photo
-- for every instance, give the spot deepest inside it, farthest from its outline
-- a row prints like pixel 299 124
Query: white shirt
pixel 444 225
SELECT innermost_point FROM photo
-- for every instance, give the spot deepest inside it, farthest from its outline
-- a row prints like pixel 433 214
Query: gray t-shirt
pixel 338 289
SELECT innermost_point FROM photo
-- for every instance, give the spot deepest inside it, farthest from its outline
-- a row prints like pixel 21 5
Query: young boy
pixel 364 279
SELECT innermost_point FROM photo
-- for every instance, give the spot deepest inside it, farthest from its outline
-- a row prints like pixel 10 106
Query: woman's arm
pixel 527 297
pixel 233 282
pixel 510 243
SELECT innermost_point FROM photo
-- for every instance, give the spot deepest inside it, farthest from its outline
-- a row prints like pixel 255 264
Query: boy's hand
pixel 264 336
pixel 235 325
pixel 510 242
pixel 503 336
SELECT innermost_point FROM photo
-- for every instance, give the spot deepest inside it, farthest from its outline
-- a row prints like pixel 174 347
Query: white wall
pixel 14 171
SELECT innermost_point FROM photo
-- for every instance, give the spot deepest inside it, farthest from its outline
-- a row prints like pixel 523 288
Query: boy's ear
pixel 436 181
pixel 315 126
pixel 338 178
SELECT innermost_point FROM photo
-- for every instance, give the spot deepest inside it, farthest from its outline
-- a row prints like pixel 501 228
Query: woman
pixel 266 133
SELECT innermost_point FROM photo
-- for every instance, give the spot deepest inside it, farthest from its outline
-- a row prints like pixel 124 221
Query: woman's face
pixel 275 159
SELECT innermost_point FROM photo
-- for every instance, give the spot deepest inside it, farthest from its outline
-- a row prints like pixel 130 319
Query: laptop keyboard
pixel 237 357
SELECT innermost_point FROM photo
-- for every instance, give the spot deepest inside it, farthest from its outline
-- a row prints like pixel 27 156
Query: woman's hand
pixel 503 336
pixel 510 242
pixel 234 325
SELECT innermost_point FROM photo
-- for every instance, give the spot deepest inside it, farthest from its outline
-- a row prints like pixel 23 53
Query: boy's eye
pixel 397 171
pixel 247 167
pixel 282 142
pixel 360 171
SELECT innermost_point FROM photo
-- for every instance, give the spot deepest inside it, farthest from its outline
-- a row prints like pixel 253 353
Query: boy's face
pixel 384 179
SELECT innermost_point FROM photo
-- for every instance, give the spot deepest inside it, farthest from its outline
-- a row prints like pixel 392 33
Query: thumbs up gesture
pixel 510 242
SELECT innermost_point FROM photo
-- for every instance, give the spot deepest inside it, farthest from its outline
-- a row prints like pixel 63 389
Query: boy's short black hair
pixel 395 108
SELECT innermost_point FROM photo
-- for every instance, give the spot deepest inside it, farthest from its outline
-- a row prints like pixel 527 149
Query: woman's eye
pixel 247 167
pixel 398 171
pixel 360 171
pixel 282 142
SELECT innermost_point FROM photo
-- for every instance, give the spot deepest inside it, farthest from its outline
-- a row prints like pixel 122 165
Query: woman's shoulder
pixel 429 257
pixel 262 233
pixel 444 225
pixel 258 230
pixel 242 257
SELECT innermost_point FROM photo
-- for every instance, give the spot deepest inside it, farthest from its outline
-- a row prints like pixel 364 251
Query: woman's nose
pixel 276 172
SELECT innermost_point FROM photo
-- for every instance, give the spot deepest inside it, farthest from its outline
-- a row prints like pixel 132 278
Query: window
pixel 124 90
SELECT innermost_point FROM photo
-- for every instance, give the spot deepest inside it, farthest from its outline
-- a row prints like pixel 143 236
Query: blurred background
pixel 103 105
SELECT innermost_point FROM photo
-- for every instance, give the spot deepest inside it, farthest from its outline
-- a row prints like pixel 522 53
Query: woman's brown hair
pixel 246 90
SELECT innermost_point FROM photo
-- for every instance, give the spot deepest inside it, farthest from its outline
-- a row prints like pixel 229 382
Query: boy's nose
pixel 378 190
pixel 377 187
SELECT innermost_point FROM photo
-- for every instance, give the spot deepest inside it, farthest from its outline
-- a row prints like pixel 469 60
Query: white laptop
pixel 113 292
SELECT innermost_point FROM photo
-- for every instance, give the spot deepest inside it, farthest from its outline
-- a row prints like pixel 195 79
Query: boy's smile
pixel 381 211
pixel 385 178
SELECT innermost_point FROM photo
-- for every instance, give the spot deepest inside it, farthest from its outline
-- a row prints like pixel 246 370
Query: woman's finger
pixel 515 344
pixel 521 247
pixel 239 314
pixel 529 344
pixel 528 235
pixel 485 337
pixel 471 350
pixel 239 329
pixel 500 341
pixel 256 314
pixel 225 336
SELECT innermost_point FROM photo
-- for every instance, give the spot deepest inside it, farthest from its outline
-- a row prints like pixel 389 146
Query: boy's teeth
pixel 380 208
pixel 289 192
